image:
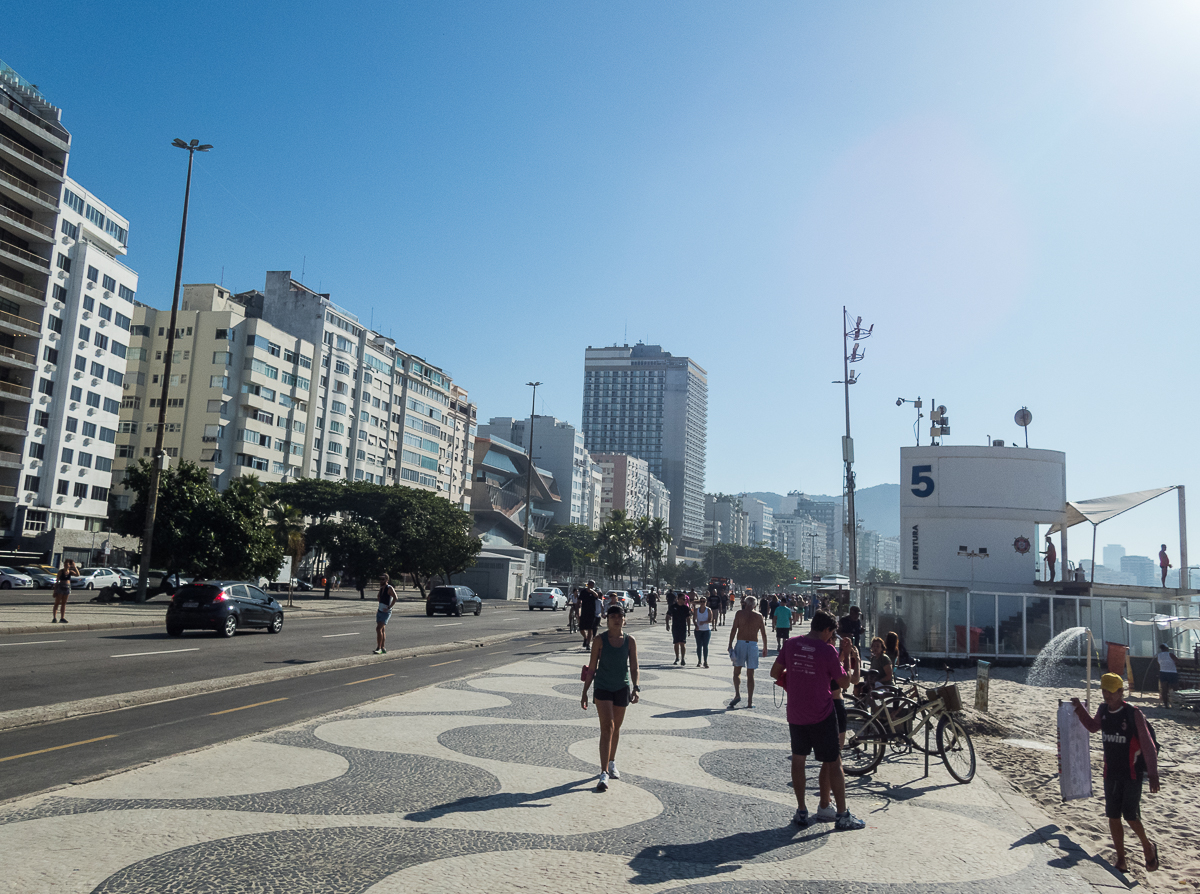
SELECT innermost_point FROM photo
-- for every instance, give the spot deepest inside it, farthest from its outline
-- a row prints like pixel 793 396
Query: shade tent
pixel 1102 509
pixel 1166 622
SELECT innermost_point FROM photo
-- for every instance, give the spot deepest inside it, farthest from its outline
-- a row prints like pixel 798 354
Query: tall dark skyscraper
pixel 642 401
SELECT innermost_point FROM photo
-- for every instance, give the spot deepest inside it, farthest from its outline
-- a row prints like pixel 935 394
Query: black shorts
pixel 839 708
pixel 586 624
pixel 1122 797
pixel 820 738
pixel 619 697
pixel 679 633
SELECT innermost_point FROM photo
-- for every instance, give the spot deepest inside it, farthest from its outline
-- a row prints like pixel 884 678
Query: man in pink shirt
pixel 812 668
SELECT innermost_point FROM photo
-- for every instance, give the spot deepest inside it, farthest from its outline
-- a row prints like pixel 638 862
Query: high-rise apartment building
pixel 66 304
pixel 628 485
pixel 558 447
pixel 762 521
pixel 802 539
pixel 381 415
pixel 726 520
pixel 641 401
pixel 239 397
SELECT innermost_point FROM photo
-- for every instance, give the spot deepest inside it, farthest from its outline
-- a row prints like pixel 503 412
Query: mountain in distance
pixel 878 506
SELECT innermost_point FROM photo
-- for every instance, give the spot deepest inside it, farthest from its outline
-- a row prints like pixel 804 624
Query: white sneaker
pixel 826 814
pixel 602 785
pixel 612 770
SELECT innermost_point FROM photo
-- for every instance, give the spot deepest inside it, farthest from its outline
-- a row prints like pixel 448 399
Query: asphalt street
pixel 65 664
pixel 37 758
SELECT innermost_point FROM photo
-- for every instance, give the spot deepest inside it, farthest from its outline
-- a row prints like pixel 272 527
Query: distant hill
pixel 878 506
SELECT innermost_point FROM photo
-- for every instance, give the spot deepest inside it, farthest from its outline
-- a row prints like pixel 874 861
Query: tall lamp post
pixel 160 457
pixel 812 553
pixel 529 471
pixel 851 353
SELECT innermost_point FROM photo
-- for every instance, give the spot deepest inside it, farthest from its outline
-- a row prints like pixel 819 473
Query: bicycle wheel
pixel 958 753
pixel 922 720
pixel 864 743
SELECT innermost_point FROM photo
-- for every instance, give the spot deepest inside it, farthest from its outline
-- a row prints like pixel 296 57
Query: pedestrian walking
pixel 703 619
pixel 62 591
pixel 1163 563
pixel 679 616
pixel 783 623
pixel 747 627
pixel 1129 755
pixel 1168 674
pixel 589 612
pixel 613 669
pixel 383 613
pixel 810 668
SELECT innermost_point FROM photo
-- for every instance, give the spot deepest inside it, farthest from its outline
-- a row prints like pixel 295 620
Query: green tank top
pixel 612 671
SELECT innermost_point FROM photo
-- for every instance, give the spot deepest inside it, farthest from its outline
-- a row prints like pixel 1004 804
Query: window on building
pixel 108 435
pixel 70 229
pixel 97 370
pixel 63 488
pixel 89 429
pixel 72 424
pixel 93 399
pixel 109 284
pixel 125 451
pixel 85 459
pixel 122 321
pixel 45 386
pixel 37 451
pixel 54 323
pixel 76 393
pixel 333 469
pixel 105 312
pixel 50 355
pixel 95 215
pixel 100 341
pixel 89 303
pixel 81 489
pixel 40 418
pixel 115 378
pixel 33 482
pixel 93 274
pixel 85 333
pixel 103 464
pixel 112 406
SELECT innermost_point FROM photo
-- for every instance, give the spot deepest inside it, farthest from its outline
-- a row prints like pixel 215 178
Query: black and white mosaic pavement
pixel 487 785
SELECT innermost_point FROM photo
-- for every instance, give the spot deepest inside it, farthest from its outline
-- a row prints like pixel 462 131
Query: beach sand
pixel 1021 717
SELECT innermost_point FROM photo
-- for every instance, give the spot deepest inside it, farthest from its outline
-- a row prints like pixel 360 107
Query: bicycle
pixel 899 723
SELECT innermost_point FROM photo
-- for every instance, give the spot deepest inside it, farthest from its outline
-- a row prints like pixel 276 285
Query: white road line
pixel 510 619
pixel 331 635
pixel 456 624
pixel 167 652
pixel 40 642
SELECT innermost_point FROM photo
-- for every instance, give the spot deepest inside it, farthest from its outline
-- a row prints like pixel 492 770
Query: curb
pixel 105 703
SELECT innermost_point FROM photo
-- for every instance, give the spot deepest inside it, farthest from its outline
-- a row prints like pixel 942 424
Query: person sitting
pixel 879 673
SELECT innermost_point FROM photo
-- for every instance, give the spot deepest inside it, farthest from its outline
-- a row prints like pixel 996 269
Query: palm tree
pixel 652 539
pixel 287 522
pixel 616 540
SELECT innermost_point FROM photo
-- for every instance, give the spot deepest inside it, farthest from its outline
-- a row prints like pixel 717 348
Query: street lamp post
pixel 159 462
pixel 851 354
pixel 529 471
pixel 812 553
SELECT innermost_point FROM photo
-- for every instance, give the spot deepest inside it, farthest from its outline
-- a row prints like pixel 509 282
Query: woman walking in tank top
pixel 614 668
pixel 702 619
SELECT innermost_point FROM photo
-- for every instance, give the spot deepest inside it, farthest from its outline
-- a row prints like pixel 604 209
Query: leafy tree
pixel 879 576
pixel 755 566
pixel 570 548
pixel 616 540
pixel 287 524
pixel 652 540
pixel 690 575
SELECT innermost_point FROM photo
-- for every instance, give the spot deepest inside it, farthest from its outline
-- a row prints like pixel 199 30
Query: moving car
pixel 42 579
pixel 300 585
pixel 453 600
pixel 223 606
pixel 621 598
pixel 543 598
pixel 10 578
pixel 95 579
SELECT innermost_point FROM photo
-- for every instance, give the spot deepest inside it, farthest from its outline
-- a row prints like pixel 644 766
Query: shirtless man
pixel 744 633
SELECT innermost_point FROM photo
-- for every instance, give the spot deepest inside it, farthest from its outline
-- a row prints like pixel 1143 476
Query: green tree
pixel 616 540
pixel 879 576
pixel 570 548
pixel 690 575
pixel 652 538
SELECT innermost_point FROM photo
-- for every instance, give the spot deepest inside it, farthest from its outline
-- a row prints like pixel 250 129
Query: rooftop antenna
pixel 303 267
pixel 222 276
pixel 1023 417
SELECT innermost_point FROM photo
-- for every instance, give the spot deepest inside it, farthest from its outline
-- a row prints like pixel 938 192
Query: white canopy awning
pixel 1166 622
pixel 1102 509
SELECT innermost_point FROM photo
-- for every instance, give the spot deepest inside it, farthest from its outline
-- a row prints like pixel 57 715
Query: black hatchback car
pixel 223 606
pixel 453 601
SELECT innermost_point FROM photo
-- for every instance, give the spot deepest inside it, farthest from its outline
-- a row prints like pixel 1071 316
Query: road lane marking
pixel 455 661
pixel 330 635
pixel 40 642
pixel 368 680
pixel 56 748
pixel 244 707
pixel 510 619
pixel 455 624
pixel 167 652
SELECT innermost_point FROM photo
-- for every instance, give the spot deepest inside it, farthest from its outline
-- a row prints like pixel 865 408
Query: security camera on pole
pixel 851 353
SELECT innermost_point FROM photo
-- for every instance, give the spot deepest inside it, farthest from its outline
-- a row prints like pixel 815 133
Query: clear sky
pixel 1007 190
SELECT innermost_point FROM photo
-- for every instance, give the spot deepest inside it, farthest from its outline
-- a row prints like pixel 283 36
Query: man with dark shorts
pixel 1126 761
pixel 589 612
pixel 811 666
pixel 679 616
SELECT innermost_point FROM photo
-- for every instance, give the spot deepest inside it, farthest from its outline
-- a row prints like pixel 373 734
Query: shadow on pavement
pixel 716 856
pixel 1075 855
pixel 494 802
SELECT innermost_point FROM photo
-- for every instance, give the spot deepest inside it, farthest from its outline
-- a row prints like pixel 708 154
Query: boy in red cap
pixel 1129 752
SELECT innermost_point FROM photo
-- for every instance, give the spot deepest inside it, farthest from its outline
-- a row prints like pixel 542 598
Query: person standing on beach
pixel 1163 563
pixel 614 669
pixel 747 627
pixel 811 669
pixel 1051 557
pixel 383 613
pixel 1126 761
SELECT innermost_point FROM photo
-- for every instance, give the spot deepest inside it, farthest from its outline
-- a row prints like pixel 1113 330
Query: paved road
pixel 34 759
pixel 63 664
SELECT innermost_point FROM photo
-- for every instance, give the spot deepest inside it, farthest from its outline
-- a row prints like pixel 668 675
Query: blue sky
pixel 1008 191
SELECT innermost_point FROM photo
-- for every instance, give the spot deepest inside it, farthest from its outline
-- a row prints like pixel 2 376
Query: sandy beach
pixel 1017 737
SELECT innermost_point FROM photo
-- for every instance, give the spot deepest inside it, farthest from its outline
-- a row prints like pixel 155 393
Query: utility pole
pixel 529 471
pixel 851 354
pixel 160 457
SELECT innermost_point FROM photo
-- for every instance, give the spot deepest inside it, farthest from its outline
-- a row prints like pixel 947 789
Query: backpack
pixel 1139 765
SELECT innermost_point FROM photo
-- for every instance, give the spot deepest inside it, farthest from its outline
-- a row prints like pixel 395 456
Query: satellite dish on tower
pixel 1023 417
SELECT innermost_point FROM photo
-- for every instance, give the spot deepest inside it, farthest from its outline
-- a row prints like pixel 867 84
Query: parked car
pixel 10 578
pixel 301 585
pixel 95 579
pixel 42 579
pixel 618 597
pixel 453 601
pixel 543 598
pixel 160 580
pixel 129 577
pixel 223 606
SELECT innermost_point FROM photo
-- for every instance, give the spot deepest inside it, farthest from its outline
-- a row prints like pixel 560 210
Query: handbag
pixel 587 673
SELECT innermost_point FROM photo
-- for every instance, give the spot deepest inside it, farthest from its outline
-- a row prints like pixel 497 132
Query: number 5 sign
pixel 922 483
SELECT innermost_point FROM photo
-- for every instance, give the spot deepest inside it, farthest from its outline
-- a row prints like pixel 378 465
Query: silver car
pixel 95 579
pixel 10 579
pixel 544 598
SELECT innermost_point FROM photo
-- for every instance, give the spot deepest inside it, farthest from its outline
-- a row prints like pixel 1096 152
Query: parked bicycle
pixel 891 718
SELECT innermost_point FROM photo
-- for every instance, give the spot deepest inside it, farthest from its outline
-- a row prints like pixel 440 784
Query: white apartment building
pixel 65 310
pixel 381 415
pixel 239 397
pixel 628 485
pixel 802 539
pixel 762 521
